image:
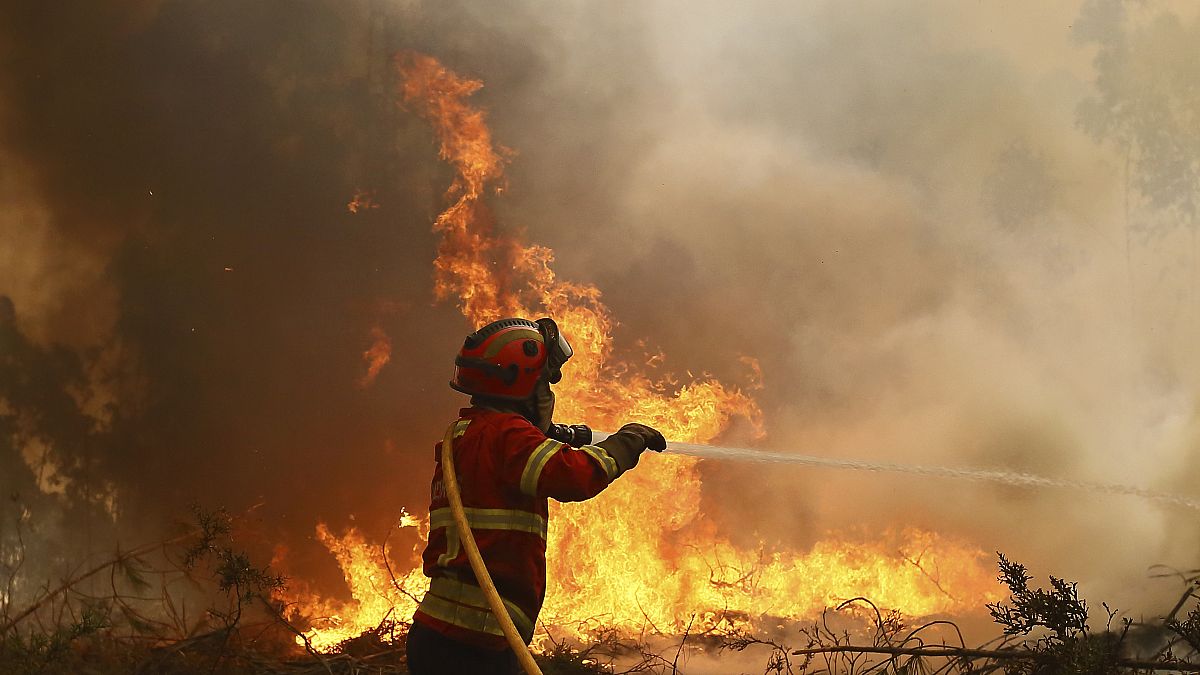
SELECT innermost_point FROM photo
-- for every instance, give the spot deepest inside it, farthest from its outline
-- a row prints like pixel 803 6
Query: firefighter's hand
pixel 651 438
pixel 627 445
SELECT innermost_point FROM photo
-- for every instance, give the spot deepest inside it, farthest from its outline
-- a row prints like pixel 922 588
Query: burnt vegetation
pixel 197 603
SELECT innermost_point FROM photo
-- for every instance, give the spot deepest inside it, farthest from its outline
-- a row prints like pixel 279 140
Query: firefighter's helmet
pixel 506 358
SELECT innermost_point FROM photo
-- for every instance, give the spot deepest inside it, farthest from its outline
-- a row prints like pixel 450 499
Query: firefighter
pixel 510 459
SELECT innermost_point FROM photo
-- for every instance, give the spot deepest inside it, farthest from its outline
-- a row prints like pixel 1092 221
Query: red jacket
pixel 507 469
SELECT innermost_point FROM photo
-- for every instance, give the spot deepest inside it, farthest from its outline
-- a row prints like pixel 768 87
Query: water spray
pixel 1015 478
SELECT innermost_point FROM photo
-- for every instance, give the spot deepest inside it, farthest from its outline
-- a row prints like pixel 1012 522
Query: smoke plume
pixel 949 233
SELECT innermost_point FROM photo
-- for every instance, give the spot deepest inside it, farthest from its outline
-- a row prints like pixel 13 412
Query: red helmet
pixel 506 358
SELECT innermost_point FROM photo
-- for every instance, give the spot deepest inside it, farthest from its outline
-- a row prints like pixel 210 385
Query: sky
pixel 950 233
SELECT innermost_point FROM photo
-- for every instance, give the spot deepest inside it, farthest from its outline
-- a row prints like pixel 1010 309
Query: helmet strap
pixel 542 403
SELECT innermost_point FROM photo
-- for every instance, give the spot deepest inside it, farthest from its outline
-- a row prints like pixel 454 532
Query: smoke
pixel 927 251
pixel 904 212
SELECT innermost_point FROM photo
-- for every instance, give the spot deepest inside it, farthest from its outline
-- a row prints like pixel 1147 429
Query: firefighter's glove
pixel 627 445
pixel 652 439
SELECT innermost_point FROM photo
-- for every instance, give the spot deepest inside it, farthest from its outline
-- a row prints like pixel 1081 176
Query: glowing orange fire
pixel 642 555
pixel 376 357
pixel 361 201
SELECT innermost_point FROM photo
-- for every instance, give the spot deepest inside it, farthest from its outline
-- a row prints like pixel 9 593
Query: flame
pixel 378 590
pixel 376 357
pixel 642 554
pixel 361 201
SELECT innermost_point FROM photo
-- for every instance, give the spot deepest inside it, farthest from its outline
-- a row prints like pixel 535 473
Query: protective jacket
pixel 507 469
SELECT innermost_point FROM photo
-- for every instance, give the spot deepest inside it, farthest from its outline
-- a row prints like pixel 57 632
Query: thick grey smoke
pixel 923 219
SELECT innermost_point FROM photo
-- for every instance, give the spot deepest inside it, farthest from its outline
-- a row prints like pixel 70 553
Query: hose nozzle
pixel 574 435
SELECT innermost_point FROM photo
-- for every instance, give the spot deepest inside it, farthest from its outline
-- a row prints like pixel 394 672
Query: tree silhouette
pixel 50 455
pixel 1147 102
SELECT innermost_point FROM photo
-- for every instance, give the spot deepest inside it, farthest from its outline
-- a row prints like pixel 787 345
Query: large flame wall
pixel 642 555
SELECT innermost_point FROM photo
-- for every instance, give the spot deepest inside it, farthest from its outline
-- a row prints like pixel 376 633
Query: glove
pixel 652 439
pixel 627 445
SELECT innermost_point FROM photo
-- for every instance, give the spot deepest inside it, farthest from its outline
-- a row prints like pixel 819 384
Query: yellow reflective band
pixel 464 605
pixel 472 595
pixel 605 460
pixel 537 461
pixel 460 615
pixel 522 334
pixel 452 546
pixel 491 519
pixel 460 427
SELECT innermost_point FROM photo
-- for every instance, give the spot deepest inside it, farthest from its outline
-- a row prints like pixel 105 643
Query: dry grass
pixel 195 604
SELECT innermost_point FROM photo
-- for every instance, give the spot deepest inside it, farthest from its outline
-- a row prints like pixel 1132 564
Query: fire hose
pixel 524 656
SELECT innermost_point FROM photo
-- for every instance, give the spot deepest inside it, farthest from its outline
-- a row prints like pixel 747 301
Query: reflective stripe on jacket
pixel 507 469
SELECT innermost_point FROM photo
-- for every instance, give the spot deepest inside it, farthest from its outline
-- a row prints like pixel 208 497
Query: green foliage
pixel 233 570
pixel 40 652
pixel 145 625
pixel 1060 609
pixel 1067 647
pixel 1188 629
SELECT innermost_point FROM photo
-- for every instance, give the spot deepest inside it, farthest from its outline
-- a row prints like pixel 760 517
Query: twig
pixel 646 616
pixel 87 575
pixel 960 653
pixel 675 662
pixel 288 625
pixel 1188 594
pixel 915 633
pixel 230 626
pixel 391 573
pixel 15 569
pixel 936 581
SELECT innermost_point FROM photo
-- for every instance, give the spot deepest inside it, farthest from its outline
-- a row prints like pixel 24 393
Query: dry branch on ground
pixel 148 621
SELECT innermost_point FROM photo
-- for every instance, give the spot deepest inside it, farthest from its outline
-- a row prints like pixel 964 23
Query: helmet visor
pixel 557 348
